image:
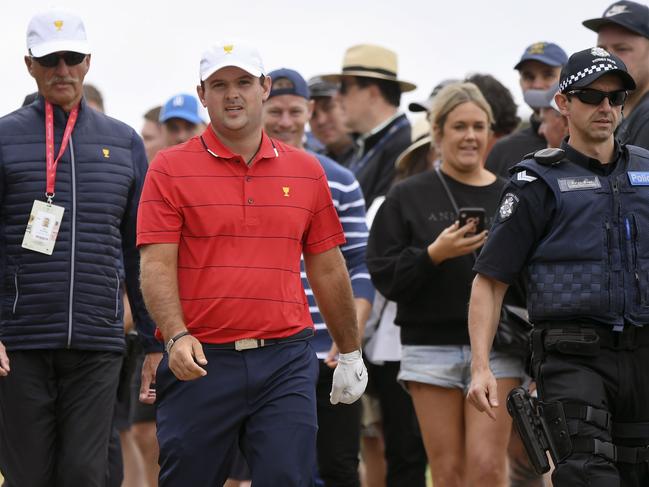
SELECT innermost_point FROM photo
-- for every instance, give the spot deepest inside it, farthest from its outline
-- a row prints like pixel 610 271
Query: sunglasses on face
pixel 595 97
pixel 52 60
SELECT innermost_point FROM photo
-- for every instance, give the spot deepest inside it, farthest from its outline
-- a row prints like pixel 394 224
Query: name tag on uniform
pixel 43 227
pixel 638 178
pixel 579 183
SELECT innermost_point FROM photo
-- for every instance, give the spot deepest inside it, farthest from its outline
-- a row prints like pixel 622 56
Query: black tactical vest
pixel 594 261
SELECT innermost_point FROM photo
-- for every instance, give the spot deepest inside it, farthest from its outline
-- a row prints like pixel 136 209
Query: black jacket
pixel 510 150
pixel 431 299
pixel 71 299
pixel 377 173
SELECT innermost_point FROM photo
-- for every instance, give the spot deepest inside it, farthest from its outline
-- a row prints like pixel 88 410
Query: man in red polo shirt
pixel 222 223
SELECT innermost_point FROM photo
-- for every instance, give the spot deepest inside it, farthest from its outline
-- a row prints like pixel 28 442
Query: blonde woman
pixel 421 257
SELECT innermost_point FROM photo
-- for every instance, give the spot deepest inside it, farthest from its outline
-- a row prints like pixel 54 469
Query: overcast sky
pixel 146 51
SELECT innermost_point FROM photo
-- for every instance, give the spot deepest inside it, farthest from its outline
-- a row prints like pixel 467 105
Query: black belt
pixel 250 343
pixel 629 337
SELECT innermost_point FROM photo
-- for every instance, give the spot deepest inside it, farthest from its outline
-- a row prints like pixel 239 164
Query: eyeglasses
pixel 52 60
pixel 595 97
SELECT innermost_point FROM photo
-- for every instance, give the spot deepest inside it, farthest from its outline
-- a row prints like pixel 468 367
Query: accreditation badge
pixel 43 227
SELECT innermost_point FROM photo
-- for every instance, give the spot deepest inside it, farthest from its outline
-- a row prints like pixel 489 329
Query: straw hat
pixel 371 61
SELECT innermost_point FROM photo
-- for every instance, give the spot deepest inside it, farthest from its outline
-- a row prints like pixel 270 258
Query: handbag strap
pixel 442 180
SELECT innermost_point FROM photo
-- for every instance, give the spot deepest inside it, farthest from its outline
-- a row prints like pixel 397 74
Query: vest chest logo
pixel 286 190
pixel 638 178
pixel 106 153
pixel 579 183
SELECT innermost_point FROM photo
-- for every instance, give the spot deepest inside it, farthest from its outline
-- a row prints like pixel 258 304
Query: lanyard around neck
pixel 52 163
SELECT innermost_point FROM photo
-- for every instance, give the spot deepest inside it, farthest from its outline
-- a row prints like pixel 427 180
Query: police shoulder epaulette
pixel 550 156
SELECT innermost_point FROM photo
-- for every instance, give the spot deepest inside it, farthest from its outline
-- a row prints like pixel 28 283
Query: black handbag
pixel 513 335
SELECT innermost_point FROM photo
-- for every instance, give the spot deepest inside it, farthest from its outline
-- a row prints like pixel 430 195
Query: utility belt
pixel 586 340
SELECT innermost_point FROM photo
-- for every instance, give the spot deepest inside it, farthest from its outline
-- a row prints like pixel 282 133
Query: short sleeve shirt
pixel 240 230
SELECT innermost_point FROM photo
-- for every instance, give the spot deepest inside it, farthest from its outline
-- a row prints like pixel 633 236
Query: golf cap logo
pixel 228 49
pixel 58 24
pixel 537 48
pixel 178 101
pixel 616 10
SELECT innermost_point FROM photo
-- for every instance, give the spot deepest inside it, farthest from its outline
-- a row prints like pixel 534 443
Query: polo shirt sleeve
pixel 159 218
pixel 324 231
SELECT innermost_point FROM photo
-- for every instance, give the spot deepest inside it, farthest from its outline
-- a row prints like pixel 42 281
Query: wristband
pixel 173 340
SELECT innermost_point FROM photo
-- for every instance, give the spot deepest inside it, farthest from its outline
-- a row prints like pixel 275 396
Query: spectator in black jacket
pixel 420 257
pixel 69 205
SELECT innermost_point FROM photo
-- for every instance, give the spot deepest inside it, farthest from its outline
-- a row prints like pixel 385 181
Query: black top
pixel 509 151
pixel 634 129
pixel 431 299
pixel 513 237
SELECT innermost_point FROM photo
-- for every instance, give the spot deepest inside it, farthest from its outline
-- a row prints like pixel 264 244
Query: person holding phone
pixel 421 256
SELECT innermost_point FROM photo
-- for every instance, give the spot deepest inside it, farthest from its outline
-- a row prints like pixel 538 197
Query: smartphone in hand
pixel 475 215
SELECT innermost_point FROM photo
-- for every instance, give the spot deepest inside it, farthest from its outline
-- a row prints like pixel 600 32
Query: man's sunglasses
pixel 52 60
pixel 595 97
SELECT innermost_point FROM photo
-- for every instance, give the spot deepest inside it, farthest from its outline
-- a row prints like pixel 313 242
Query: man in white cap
pixel 70 189
pixel 224 220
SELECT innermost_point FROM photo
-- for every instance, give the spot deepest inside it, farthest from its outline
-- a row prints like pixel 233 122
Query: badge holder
pixel 43 226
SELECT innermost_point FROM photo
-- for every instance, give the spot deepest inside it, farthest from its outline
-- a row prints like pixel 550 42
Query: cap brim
pixel 627 81
pixel 60 46
pixel 419 106
pixel 189 117
pixel 335 78
pixel 251 70
pixel 412 149
pixel 596 24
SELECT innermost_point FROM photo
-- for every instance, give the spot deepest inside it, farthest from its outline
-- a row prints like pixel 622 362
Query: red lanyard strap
pixel 52 163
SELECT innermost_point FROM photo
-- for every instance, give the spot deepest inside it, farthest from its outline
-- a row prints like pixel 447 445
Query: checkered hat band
pixel 573 78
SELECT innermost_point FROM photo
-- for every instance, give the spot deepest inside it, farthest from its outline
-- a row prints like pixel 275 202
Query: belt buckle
pixel 246 344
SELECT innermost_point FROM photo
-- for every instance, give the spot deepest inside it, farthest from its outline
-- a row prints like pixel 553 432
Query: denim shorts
pixel 450 365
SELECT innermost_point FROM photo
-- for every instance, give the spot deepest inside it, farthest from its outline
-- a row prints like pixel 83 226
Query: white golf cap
pixel 223 54
pixel 56 30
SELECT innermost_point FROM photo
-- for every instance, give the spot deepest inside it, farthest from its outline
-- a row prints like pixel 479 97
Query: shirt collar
pixel 215 147
pixel 361 140
pixel 591 163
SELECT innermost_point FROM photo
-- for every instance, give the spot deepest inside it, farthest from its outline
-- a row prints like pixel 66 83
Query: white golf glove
pixel 350 378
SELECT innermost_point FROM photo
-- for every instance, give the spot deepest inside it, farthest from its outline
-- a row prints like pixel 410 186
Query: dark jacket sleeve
pixel 143 322
pixel 396 266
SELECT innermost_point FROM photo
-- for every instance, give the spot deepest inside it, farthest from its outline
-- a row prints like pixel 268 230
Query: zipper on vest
pixel 607 227
pixel 17 292
pixel 632 226
pixel 73 240
pixel 117 293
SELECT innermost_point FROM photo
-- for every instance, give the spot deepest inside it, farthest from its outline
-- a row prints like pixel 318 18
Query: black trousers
pixel 56 410
pixel 404 449
pixel 339 433
pixel 615 380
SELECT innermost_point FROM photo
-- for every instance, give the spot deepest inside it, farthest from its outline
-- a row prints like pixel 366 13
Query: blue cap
pixel 288 82
pixel 181 106
pixel 544 52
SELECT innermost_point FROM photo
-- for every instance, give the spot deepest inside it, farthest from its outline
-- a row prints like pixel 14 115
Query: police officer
pixel 576 220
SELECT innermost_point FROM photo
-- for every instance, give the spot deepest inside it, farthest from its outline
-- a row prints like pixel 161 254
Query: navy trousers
pixel 264 398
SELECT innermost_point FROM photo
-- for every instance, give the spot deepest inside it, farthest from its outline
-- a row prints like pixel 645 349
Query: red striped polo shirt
pixel 240 232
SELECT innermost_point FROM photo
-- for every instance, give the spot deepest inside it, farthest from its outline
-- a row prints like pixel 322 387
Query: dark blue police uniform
pixel 579 230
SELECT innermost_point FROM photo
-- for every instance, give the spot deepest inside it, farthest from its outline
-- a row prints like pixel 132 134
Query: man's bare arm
pixel 159 281
pixel 484 315
pixel 332 290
